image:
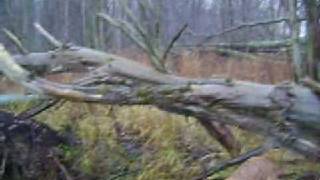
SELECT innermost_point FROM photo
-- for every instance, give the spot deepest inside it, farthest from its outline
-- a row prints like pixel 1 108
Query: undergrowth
pixel 145 143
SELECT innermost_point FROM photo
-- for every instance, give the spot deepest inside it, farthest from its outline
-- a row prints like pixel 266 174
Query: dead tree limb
pixel 16 41
pixel 173 41
pixel 245 25
pixel 53 41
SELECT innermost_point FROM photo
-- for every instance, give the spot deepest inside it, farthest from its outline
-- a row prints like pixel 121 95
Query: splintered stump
pixel 28 148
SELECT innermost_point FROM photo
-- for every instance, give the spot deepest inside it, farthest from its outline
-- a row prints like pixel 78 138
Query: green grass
pixel 145 143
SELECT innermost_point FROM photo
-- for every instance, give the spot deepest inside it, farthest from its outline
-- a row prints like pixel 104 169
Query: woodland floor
pixel 145 143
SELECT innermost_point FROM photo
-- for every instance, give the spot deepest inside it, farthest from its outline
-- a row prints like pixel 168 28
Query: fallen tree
pixel 286 113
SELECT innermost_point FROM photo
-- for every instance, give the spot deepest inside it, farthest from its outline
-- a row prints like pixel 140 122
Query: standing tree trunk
pixel 84 22
pixel 99 38
pixel 313 28
pixel 295 32
pixel 66 20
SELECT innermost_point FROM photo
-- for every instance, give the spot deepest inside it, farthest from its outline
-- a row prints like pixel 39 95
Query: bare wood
pixel 16 41
pixel 53 41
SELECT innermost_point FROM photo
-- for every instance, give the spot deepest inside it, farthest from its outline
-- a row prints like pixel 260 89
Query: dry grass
pixel 205 64
pixel 266 68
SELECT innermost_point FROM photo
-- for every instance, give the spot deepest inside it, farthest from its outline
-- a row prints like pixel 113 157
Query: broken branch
pixel 53 41
pixel 16 41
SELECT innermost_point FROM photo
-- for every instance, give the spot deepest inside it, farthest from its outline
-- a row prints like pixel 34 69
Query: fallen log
pixel 250 47
pixel 287 113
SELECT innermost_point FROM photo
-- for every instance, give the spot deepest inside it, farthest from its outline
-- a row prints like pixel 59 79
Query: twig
pixel 37 109
pixel 173 41
pixel 16 41
pixel 53 41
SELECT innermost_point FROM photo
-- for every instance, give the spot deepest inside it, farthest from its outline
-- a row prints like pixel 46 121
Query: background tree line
pixel 76 20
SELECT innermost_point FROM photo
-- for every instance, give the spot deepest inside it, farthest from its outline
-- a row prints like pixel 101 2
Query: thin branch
pixel 53 41
pixel 125 27
pixel 152 50
pixel 173 41
pixel 34 111
pixel 142 32
pixel 16 41
pixel 132 33
pixel 242 158
pixel 245 25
